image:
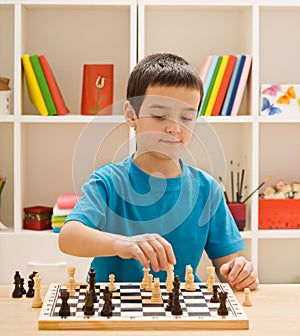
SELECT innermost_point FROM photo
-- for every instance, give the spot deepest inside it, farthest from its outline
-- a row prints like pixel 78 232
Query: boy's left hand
pixel 240 273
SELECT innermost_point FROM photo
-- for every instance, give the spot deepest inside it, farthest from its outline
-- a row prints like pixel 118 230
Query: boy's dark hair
pixel 161 69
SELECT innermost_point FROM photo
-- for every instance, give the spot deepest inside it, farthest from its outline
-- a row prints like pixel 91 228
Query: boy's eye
pixel 187 118
pixel 157 116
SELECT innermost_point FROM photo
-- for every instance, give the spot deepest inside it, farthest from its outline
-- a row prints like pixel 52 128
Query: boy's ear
pixel 129 114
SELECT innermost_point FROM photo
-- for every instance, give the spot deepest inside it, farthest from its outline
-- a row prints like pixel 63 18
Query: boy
pixel 152 208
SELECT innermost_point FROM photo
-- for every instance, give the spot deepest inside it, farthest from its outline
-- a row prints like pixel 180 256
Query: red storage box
pixel 37 218
pixel 279 214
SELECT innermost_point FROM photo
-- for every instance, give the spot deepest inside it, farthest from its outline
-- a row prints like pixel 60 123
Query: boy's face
pixel 166 121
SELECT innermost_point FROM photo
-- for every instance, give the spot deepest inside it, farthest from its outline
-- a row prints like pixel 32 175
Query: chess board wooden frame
pixel 237 319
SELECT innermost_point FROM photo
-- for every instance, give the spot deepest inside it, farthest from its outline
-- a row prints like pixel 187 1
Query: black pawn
pixel 222 310
pixel 170 302
pixel 107 307
pixel 65 308
pixel 215 296
pixel 88 307
pixel 17 293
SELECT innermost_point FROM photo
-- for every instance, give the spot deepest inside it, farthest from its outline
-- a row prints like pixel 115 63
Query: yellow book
pixel 34 90
pixel 217 85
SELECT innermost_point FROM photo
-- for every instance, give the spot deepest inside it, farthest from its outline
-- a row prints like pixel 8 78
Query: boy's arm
pixel 78 239
pixel 237 270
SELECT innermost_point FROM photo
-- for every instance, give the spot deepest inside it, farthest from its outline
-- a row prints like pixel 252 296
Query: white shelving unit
pixel 41 155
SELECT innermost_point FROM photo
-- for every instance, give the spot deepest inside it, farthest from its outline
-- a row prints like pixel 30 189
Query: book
pixel 231 91
pixel 217 84
pixel 241 86
pixel 97 89
pixel 57 97
pixel 204 68
pixel 34 90
pixel 209 81
pixel 224 85
pixel 34 59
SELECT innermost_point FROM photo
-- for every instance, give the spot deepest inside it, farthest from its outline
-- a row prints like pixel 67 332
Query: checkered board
pixel 134 310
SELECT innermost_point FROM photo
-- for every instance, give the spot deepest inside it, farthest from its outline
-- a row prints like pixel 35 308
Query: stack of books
pixel 224 79
pixel 42 87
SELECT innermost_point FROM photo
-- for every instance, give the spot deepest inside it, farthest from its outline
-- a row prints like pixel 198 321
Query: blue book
pixel 233 85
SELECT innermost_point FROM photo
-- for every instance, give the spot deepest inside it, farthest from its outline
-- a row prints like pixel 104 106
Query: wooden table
pixel 275 311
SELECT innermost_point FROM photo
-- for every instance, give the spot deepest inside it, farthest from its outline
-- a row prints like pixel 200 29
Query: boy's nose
pixel 173 127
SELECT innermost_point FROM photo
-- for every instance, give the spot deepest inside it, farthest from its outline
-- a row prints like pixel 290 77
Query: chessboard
pixel 134 310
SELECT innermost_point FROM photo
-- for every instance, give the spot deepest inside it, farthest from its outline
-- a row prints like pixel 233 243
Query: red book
pixel 97 89
pixel 224 85
pixel 57 97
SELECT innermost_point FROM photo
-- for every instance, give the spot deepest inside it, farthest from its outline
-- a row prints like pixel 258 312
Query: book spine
pixel 242 85
pixel 34 91
pixel 227 106
pixel 224 85
pixel 43 84
pixel 210 80
pixel 217 85
pixel 57 97
pixel 204 68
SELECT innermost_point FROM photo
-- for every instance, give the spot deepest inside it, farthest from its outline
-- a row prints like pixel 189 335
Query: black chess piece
pixel 23 290
pixel 106 310
pixel 215 296
pixel 176 308
pixel 88 307
pixel 92 283
pixel 65 308
pixel 17 293
pixel 170 302
pixel 222 310
pixel 30 291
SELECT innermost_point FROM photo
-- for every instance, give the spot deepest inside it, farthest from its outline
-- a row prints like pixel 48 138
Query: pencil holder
pixel 238 211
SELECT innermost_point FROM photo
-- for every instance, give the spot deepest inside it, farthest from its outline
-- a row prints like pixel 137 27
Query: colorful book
pixel 224 85
pixel 234 82
pixel 209 81
pixel 34 59
pixel 242 85
pixel 34 90
pixel 204 68
pixel 57 97
pixel 217 84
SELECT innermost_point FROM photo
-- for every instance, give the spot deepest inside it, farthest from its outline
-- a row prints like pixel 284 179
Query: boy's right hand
pixel 147 248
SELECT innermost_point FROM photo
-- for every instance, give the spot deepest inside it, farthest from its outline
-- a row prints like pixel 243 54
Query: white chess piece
pixel 156 292
pixel 247 301
pixel 37 299
pixel 112 287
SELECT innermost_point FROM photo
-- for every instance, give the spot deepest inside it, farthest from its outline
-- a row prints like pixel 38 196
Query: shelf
pixel 69 119
pixel 278 234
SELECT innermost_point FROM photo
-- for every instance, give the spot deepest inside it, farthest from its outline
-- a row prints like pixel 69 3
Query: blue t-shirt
pixel 189 211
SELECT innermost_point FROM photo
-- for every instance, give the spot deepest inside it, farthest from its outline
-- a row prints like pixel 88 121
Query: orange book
pixel 224 85
pixel 57 97
pixel 97 89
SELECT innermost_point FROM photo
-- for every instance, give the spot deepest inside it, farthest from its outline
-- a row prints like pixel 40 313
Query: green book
pixel 34 59
pixel 211 85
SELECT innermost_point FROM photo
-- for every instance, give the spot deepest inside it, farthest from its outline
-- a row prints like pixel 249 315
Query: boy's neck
pixel 159 167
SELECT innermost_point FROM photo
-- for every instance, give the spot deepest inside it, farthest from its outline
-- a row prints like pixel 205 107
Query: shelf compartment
pixel 93 34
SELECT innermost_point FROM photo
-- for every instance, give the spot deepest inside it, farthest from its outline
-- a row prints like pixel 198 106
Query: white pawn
pixel 145 278
pixel 71 285
pixel 149 285
pixel 37 299
pixel 71 278
pixel 156 292
pixel 112 287
pixel 189 279
pixel 170 278
pixel 247 301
